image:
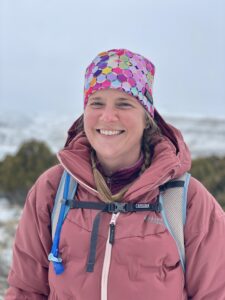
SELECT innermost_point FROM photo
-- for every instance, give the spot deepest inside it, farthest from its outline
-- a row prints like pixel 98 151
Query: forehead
pixel 112 94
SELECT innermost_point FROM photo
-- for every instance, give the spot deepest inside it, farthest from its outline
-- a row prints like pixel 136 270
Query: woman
pixel 119 150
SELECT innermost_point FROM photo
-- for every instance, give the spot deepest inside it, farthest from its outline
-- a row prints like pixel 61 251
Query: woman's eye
pixel 96 104
pixel 124 104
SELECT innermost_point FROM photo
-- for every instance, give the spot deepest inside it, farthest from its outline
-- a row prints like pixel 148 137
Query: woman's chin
pixel 107 154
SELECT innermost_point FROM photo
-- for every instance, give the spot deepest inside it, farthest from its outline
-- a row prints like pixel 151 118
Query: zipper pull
pixel 112 233
pixel 112 228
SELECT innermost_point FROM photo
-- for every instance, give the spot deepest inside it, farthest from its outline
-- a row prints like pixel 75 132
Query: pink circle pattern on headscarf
pixel 123 70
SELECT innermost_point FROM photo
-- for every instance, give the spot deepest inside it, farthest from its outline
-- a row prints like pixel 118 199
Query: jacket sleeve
pixel 205 245
pixel 28 276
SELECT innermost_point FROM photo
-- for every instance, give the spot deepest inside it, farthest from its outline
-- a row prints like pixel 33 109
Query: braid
pixel 151 137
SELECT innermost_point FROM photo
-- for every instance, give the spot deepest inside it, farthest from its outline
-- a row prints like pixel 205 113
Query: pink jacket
pixel 143 262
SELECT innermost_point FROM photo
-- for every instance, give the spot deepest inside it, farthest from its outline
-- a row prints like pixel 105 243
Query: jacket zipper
pixel 107 258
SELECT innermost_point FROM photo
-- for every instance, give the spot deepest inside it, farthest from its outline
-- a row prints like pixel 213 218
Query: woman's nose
pixel 109 114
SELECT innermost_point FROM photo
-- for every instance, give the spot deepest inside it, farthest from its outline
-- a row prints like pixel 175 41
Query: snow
pixel 9 217
pixel 8 212
pixel 16 129
pixel 204 136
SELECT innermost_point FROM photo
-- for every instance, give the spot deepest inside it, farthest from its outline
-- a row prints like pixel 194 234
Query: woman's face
pixel 114 122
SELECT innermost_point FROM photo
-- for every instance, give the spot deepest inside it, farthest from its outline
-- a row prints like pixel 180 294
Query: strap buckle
pixel 158 207
pixel 117 207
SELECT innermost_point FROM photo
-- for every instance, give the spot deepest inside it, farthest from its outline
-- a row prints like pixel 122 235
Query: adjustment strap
pixel 115 207
pixel 171 184
pixel 93 246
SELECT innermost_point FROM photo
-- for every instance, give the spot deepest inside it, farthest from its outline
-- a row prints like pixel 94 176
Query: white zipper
pixel 107 258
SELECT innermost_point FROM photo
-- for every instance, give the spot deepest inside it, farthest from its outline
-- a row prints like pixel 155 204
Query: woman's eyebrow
pixel 95 98
pixel 123 99
pixel 117 99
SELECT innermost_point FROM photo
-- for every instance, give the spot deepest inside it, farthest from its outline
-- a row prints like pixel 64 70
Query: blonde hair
pixel 151 137
pixel 102 188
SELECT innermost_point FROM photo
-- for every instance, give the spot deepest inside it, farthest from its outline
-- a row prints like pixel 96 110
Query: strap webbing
pixel 171 184
pixel 115 206
pixel 93 245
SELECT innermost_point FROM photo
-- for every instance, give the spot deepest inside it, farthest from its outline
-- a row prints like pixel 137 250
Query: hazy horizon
pixel 46 46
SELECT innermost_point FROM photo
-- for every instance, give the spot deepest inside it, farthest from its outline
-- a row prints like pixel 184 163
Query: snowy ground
pixel 19 128
pixel 9 216
pixel 204 136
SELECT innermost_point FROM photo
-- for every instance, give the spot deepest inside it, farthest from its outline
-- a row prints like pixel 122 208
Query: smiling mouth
pixel 110 132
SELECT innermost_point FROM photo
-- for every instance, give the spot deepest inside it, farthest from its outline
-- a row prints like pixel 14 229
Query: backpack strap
pixel 65 200
pixel 173 199
pixel 66 190
pixel 172 204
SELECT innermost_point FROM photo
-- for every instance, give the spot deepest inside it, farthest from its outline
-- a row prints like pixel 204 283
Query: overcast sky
pixel 45 46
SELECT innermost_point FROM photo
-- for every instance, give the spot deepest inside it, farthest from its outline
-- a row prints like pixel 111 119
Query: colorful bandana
pixel 123 70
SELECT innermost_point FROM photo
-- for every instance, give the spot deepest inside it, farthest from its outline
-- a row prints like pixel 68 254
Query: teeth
pixel 110 132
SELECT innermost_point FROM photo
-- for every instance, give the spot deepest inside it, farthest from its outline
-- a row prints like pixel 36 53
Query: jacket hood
pixel 171 159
